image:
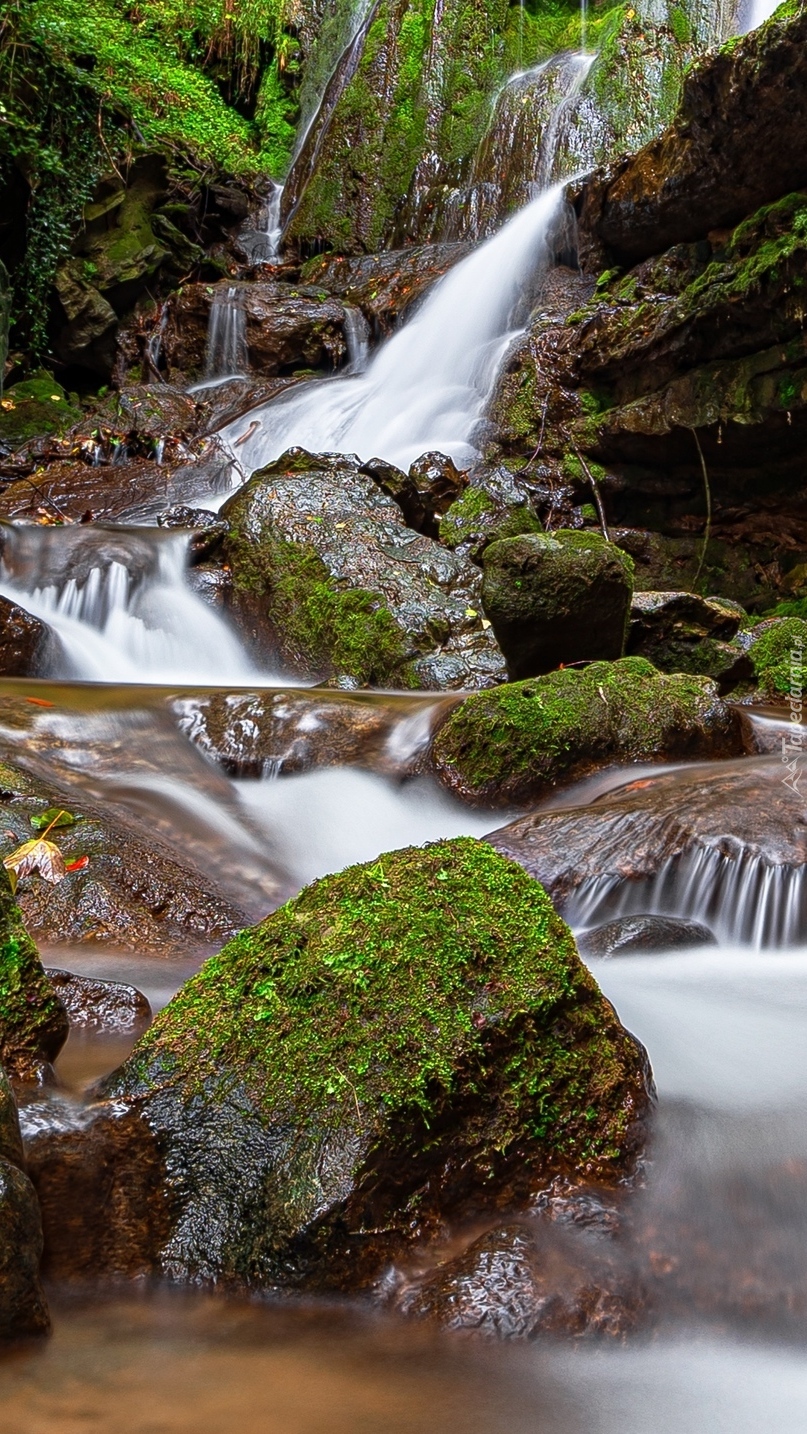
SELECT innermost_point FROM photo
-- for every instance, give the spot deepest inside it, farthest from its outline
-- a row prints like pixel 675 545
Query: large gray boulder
pixel 329 581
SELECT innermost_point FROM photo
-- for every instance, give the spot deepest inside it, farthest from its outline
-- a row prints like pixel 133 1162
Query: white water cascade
pixel 272 225
pixel 759 11
pixel 118 604
pixel 427 388
pixel 226 355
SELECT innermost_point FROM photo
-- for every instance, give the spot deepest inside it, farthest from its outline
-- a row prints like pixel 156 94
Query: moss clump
pixel 33 1024
pixel 516 742
pixel 396 990
pixel 34 408
pixel 779 656
pixel 477 519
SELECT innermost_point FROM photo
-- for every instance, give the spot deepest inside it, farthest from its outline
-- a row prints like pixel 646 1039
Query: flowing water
pixel 428 386
pixel 719 1233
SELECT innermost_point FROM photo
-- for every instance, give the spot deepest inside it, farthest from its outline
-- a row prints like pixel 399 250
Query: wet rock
pixel 777 652
pixel 100 1005
pixel 34 408
pixel 735 144
pixel 24 641
pixel 328 581
pixel 732 835
pixel 384 285
pixel 266 734
pixel 514 744
pixel 102 1189
pixel 88 339
pixel 284 328
pixel 494 506
pixel 207 529
pixel 522 1280
pixel 380 1123
pixel 557 599
pixel 33 1021
pixel 643 933
pixel 683 632
pixel 10 1137
pixel 423 494
pixel 23 1310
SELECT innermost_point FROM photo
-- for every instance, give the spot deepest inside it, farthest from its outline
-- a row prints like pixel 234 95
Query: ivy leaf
pixel 37 855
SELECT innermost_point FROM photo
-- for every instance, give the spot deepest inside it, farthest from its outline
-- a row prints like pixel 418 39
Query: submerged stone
pixel 557 598
pixel 409 1041
pixel 643 933
pixel 517 742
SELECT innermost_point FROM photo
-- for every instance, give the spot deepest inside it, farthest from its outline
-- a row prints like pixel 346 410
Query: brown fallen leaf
pixel 37 855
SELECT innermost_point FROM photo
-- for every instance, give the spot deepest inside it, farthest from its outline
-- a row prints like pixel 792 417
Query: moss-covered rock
pixel 33 1021
pixel 403 1042
pixel 557 598
pixel 491 509
pixel 778 655
pixel 329 581
pixel 517 742
pixel 35 408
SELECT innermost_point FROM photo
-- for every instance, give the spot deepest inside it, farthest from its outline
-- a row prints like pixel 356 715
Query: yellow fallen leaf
pixel 471 612
pixel 37 855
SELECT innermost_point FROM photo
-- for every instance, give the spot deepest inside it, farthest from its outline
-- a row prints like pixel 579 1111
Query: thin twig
pixel 531 460
pixel 595 490
pixel 708 529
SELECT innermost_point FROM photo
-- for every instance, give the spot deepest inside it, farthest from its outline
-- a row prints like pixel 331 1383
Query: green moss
pixel 34 408
pixel 475 518
pixel 33 1024
pixel 323 628
pixel 779 656
pixel 518 740
pixel 378 990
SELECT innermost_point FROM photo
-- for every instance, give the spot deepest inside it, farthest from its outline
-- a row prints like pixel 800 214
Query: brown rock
pixel 285 328
pixel 737 143
pixel 384 286
pixel 100 1005
pixel 25 642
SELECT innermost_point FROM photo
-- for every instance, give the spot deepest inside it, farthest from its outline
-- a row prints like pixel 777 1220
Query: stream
pixel 717 1236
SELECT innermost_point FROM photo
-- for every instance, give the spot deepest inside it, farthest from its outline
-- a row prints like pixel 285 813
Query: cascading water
pixel 759 11
pixel 428 386
pixel 272 225
pixel 118 604
pixel 226 355
pixel 357 338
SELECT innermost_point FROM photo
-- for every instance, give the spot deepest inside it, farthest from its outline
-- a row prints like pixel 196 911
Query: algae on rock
pixel 33 1021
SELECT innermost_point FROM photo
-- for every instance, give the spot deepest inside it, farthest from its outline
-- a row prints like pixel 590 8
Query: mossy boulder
pixel 33 1021
pixel 493 507
pixel 517 742
pixel 408 1041
pixel 557 598
pixel 329 581
pixel 36 407
pixel 778 657
pixel 23 1310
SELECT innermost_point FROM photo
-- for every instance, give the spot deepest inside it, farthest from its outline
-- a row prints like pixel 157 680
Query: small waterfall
pixel 318 106
pixel 117 601
pixel 518 156
pixel 759 11
pixel 357 338
pixel 743 899
pixel 272 226
pixel 428 386
pixel 226 355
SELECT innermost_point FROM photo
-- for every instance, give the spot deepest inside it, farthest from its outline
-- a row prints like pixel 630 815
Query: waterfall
pixel 118 604
pixel 428 386
pixel 759 11
pixel 743 899
pixel 272 226
pixel 357 338
pixel 226 355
